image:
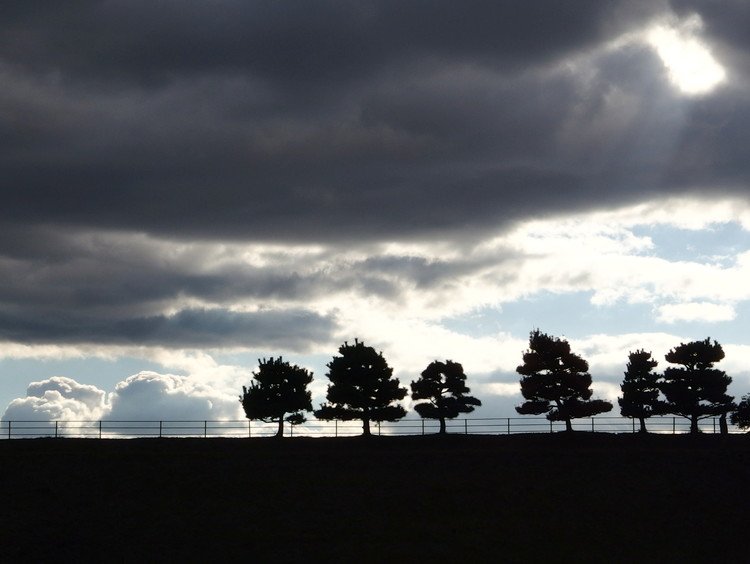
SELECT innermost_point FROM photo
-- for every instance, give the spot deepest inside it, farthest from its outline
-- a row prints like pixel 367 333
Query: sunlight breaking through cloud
pixel 691 65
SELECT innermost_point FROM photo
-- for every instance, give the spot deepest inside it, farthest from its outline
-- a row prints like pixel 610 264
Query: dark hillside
pixel 553 497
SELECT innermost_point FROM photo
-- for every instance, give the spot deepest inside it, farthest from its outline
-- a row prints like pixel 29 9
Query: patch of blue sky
pixel 250 359
pixel 571 315
pixel 719 244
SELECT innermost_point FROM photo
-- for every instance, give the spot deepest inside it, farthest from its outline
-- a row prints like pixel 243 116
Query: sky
pixel 190 186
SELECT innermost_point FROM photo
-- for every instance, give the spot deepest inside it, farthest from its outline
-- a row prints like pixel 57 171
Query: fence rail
pixel 316 428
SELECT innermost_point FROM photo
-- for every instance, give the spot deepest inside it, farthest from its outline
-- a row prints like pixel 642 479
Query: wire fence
pixel 316 428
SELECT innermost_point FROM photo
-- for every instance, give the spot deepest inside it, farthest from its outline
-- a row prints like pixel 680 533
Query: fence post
pixel 249 429
pixel 509 425
pixel 55 429
pixel 378 428
pixel 160 429
pixel 100 428
pixel 291 430
pixel 633 420
pixel 714 422
pixel 592 424
pixel 335 427
pixel 466 426
pixel 205 429
pixel 9 425
pixel 550 426
pixel 422 426
pixel 673 425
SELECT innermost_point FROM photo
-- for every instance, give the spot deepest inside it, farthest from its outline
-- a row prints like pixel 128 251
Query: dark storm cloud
pixel 48 274
pixel 725 21
pixel 417 271
pixel 341 123
pixel 291 329
pixel 109 291
pixel 115 281
pixel 62 287
pixel 714 148
pixel 303 120
pixel 291 41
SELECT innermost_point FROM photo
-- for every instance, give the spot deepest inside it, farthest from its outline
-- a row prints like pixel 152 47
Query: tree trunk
pixel 643 424
pixel 694 425
pixel 280 431
pixel 366 427
pixel 568 425
pixel 723 428
pixel 442 426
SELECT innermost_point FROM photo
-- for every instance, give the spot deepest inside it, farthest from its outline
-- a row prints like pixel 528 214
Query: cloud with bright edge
pixel 143 396
pixel 691 66
pixel 58 399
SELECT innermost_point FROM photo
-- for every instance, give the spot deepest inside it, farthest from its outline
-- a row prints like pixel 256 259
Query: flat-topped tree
pixel 277 394
pixel 696 390
pixel 640 388
pixel 556 382
pixel 443 385
pixel 362 387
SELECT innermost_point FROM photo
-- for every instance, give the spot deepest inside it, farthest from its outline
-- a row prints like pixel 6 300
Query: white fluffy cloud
pixel 142 396
pixel 695 311
pixel 58 399
pixel 153 396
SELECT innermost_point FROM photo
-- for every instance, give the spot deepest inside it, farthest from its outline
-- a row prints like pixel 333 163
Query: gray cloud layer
pixel 327 122
pixel 333 120
pixel 290 329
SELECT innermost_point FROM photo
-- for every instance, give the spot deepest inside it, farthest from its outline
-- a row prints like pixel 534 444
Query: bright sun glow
pixel 692 68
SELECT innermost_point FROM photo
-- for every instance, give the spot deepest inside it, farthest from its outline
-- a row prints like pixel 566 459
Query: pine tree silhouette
pixel 556 382
pixel 696 390
pixel 443 385
pixel 279 389
pixel 640 388
pixel 741 416
pixel 362 387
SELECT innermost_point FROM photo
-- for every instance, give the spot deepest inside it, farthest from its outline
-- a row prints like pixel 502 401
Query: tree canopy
pixel 640 388
pixel 556 382
pixel 696 389
pixel 443 386
pixel 362 387
pixel 278 393
pixel 741 415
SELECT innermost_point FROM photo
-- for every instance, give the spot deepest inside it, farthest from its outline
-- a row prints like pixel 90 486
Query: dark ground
pixel 589 497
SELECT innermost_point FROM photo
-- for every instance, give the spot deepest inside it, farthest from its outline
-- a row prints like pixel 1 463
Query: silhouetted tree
pixel 278 393
pixel 640 388
pixel 443 385
pixel 362 387
pixel 696 390
pixel 556 382
pixel 741 415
